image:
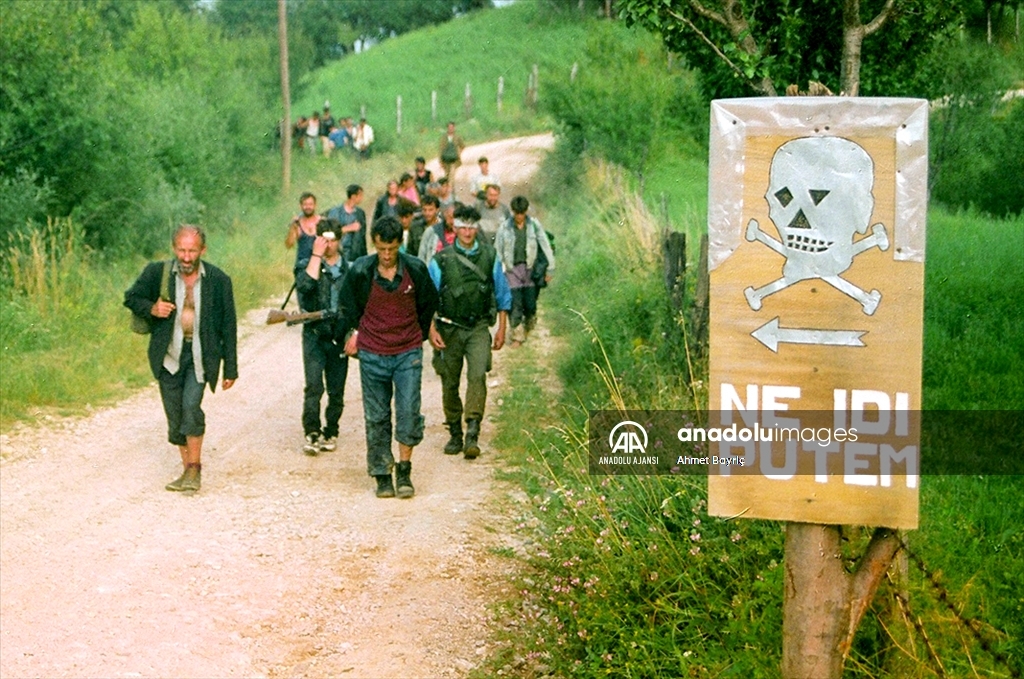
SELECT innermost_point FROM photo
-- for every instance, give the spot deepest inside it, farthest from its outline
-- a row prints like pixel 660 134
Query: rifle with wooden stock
pixel 298 317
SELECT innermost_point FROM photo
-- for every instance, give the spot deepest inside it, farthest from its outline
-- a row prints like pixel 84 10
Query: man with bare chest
pixel 302 230
pixel 190 338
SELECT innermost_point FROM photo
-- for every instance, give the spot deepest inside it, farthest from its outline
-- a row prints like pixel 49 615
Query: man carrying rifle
pixel 474 293
pixel 318 282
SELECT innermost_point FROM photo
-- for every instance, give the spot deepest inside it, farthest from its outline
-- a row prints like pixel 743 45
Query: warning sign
pixel 816 259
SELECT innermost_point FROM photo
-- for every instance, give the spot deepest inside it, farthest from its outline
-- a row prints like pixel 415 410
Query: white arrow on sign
pixel 771 335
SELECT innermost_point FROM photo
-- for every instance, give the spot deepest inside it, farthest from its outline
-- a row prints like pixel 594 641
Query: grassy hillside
pixel 477 49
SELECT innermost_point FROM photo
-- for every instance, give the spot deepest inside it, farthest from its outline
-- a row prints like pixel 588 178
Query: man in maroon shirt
pixel 387 303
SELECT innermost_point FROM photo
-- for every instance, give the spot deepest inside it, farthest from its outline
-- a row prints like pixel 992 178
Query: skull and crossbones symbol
pixel 819 196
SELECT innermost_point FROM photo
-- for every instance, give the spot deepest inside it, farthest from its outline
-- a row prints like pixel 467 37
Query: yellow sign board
pixel 816 259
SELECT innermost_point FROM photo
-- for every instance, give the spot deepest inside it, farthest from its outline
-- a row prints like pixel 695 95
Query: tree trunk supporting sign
pixel 823 604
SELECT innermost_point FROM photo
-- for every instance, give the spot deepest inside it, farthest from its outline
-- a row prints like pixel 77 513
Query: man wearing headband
pixel 318 283
pixel 388 300
pixel 473 295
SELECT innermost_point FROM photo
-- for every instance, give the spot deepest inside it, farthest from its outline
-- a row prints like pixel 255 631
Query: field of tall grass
pixel 629 576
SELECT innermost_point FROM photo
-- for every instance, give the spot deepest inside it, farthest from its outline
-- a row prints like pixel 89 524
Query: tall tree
pixel 751 47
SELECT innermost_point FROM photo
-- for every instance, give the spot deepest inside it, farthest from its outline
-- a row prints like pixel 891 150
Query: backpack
pixel 540 265
pixel 142 325
pixel 450 153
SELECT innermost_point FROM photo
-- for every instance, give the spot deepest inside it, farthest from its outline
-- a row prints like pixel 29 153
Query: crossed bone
pixel 868 300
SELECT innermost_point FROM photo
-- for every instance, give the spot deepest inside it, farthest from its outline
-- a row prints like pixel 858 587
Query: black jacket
pixel 218 326
pixel 315 295
pixel 355 291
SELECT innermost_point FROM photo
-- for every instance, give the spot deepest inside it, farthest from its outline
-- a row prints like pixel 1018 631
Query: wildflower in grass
pixel 695 537
pixel 653 576
pixel 736 537
pixel 696 522
pixel 694 551
pixel 607 657
pixel 581 633
pixel 652 547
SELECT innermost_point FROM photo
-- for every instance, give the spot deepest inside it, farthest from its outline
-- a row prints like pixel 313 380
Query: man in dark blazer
pixel 193 331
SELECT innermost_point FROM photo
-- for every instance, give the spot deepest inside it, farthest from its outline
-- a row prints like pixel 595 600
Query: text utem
pixel 885 444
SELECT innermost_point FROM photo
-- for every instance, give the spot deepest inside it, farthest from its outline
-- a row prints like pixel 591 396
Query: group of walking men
pixel 432 275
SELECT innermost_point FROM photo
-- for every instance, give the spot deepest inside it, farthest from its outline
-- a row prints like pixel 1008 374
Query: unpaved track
pixel 283 565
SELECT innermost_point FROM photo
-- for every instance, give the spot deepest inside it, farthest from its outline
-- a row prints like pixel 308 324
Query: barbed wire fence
pixel 973 625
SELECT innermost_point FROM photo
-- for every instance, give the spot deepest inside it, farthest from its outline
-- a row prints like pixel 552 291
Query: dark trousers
pixel 323 362
pixel 524 305
pixel 182 396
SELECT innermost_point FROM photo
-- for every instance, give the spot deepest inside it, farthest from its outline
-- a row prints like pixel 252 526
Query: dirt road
pixel 283 565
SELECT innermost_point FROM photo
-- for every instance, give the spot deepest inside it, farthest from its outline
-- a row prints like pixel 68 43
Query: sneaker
pixel 328 443
pixel 402 480
pixel 312 445
pixel 385 488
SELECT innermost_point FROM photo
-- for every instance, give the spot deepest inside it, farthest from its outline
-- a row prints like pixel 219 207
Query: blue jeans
pixel 182 396
pixel 382 376
pixel 322 361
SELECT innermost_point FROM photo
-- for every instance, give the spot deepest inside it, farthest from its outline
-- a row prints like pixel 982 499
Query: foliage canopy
pixel 750 47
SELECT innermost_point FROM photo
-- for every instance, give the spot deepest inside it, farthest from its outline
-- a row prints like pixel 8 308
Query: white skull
pixel 819 195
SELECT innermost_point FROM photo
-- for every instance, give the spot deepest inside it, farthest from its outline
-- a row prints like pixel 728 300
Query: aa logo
pixel 629 438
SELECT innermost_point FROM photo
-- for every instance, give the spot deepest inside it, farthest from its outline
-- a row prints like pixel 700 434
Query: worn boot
pixel 402 480
pixel 454 445
pixel 472 449
pixel 175 485
pixel 192 479
pixel 385 488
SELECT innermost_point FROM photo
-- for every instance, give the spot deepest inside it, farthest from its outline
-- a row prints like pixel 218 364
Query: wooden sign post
pixel 816 226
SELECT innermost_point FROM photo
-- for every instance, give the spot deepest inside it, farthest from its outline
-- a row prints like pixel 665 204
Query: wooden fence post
pixel 398 115
pixel 536 86
pixel 575 70
pixel 501 91
pixel 467 103
pixel 433 106
pixel 700 299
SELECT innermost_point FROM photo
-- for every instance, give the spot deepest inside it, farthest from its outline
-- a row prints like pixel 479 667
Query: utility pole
pixel 286 98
